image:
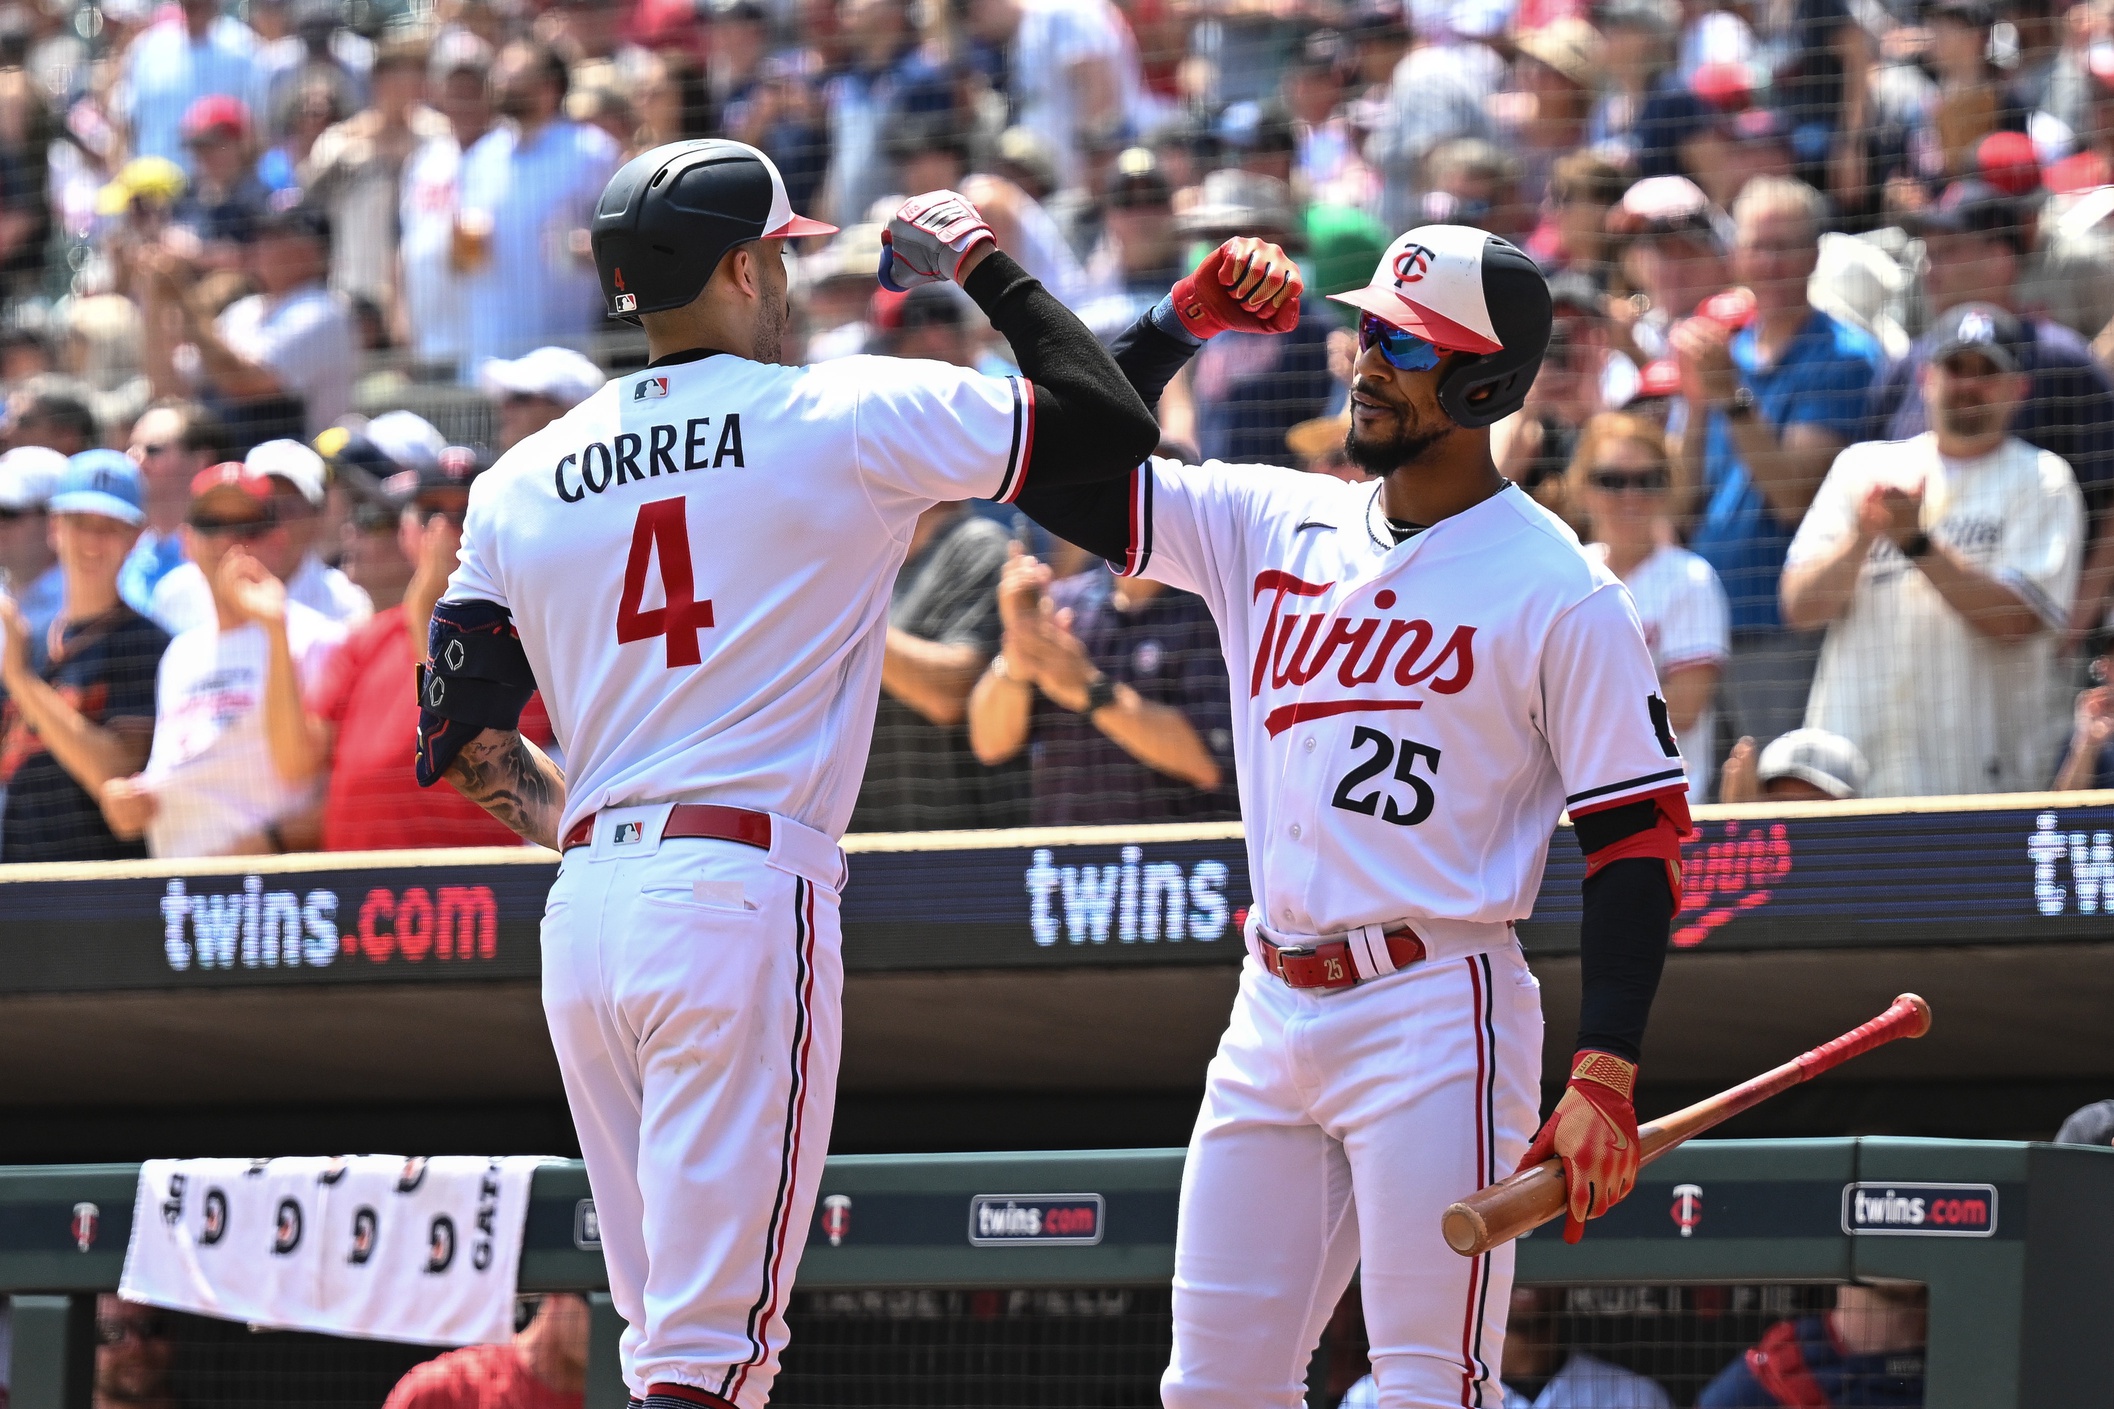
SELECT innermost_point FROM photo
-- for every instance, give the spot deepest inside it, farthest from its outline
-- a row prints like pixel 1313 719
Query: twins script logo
pixel 1728 876
pixel 1294 651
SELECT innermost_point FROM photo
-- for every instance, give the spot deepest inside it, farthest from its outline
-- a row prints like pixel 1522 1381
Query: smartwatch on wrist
pixel 1917 545
pixel 1741 406
pixel 1100 694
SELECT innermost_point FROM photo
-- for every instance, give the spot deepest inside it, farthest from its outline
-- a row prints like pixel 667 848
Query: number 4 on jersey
pixel 663 532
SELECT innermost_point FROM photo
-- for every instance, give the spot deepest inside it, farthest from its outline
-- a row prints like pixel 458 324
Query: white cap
pixel 407 438
pixel 1826 760
pixel 293 462
pixel 554 373
pixel 1430 282
pixel 28 475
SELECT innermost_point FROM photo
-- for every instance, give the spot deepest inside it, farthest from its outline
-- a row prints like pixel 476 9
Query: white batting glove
pixel 928 239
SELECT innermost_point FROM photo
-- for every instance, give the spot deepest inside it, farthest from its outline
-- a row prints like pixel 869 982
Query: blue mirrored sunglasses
pixel 1404 351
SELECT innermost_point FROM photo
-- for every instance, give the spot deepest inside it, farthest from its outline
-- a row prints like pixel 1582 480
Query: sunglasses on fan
pixel 1402 350
pixel 1623 482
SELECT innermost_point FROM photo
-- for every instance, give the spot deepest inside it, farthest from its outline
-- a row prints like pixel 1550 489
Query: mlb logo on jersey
pixel 650 389
pixel 629 834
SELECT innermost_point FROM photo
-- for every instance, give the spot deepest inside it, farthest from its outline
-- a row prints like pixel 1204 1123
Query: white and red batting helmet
pixel 1465 290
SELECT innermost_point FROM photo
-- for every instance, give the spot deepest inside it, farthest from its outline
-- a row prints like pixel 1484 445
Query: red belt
pixel 691 819
pixel 1328 965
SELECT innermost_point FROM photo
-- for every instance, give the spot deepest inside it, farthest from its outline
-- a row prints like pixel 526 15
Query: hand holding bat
pixel 1533 1196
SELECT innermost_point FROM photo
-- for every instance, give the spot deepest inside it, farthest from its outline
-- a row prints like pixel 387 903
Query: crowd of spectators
pixel 1828 386
pixel 1868 1348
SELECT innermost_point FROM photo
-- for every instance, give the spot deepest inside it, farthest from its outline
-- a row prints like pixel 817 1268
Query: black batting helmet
pixel 669 214
pixel 1466 290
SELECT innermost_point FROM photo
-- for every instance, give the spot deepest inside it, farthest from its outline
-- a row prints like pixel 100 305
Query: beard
pixel 1382 456
pixel 1970 422
pixel 771 321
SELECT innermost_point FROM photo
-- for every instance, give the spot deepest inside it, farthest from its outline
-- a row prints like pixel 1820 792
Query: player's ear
pixel 742 270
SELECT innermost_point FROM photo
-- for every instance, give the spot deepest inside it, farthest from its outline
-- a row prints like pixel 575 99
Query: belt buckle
pixel 1279 953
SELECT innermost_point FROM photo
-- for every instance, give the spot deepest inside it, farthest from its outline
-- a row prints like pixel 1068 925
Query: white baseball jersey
pixel 1936 706
pixel 699 557
pixel 1687 621
pixel 1410 720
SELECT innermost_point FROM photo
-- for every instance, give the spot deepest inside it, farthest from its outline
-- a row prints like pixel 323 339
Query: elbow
pixel 1798 609
pixel 992 746
pixel 991 754
pixel 1140 434
pixel 946 712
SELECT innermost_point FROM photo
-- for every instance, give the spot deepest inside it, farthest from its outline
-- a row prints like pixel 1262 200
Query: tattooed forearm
pixel 510 778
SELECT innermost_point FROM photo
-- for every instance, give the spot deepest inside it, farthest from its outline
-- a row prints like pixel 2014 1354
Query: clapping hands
pixel 1038 643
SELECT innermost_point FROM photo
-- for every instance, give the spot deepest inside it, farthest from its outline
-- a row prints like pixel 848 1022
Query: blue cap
pixel 102 482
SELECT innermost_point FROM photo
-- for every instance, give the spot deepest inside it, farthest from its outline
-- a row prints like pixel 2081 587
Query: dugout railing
pixel 2013 1241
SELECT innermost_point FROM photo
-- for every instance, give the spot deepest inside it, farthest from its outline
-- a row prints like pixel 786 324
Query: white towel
pixel 419 1250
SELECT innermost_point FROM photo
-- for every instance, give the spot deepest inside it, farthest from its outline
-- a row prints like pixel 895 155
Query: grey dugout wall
pixel 2014 1241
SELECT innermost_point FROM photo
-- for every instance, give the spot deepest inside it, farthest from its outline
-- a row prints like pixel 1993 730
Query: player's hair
pixel 1609 428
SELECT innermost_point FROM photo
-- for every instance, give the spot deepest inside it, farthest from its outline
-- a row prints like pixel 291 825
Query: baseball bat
pixel 1532 1197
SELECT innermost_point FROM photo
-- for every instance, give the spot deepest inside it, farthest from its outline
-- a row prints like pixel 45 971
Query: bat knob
pixel 1923 1013
pixel 1463 1229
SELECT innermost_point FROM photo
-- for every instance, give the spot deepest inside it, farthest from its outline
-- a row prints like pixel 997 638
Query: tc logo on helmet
pixel 1412 264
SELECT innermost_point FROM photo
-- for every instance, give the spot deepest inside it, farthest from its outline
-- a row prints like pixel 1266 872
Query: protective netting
pixel 1827 380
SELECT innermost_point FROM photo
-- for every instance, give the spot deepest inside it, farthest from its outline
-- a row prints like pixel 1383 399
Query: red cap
pixel 1725 86
pixel 2008 162
pixel 216 113
pixel 232 474
pixel 886 310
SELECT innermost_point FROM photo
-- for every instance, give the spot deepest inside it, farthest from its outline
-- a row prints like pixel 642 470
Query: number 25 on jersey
pixel 663 533
pixel 1406 757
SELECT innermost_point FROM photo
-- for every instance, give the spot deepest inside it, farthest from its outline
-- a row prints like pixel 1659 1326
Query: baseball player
pixel 1427 672
pixel 693 565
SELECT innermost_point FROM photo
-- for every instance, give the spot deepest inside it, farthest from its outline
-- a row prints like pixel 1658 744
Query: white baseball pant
pixel 1336 1128
pixel 695 995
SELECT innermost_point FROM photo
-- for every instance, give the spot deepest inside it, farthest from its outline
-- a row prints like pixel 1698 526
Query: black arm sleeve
pixel 1097 516
pixel 1089 424
pixel 1629 910
pixel 1149 357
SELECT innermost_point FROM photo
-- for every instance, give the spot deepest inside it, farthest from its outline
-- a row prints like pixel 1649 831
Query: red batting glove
pixel 1245 285
pixel 1593 1130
